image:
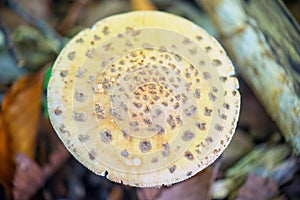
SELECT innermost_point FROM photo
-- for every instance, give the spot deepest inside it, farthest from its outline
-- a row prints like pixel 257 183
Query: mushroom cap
pixel 144 98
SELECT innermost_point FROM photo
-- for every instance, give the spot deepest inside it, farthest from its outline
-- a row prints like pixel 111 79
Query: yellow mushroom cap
pixel 145 98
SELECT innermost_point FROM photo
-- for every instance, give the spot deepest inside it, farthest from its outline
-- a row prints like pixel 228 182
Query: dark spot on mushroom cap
pixel 216 63
pixel 63 129
pixel 83 138
pixel 57 111
pixel 234 92
pixel 106 136
pixel 188 135
pixel 92 155
pixel 208 49
pixel 172 169
pixel 192 51
pixel 165 153
pixel 64 73
pixel 189 155
pixel 212 97
pixel 209 139
pixel 124 153
pixel 191 110
pixel 206 75
pixel 186 41
pixel 79 116
pixel 189 173
pixel 226 105
pixel 96 37
pixel 80 73
pixel 197 93
pixel 201 126
pixel 79 96
pixel 160 129
pixel 105 30
pixel 207 111
pixel 145 146
pixel 71 55
pixel 89 53
pixel 80 40
pixel 199 37
pixel 154 160
pixel 218 127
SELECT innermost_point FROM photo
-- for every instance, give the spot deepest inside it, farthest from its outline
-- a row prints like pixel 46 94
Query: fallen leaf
pixel 6 166
pixel 149 193
pixel 142 5
pixel 28 178
pixel 116 193
pixel 195 188
pixel 257 188
pixel 21 110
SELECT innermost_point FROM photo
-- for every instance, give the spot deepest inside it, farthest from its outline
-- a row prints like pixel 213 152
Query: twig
pixel 72 15
pixel 40 24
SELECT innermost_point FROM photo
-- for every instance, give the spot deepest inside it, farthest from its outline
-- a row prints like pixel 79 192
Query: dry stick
pixel 72 15
pixel 40 24
pixel 264 41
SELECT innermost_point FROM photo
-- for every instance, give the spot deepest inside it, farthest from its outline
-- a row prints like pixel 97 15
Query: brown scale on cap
pixel 144 98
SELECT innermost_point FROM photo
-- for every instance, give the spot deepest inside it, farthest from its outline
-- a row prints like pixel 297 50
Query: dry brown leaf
pixel 116 193
pixel 28 178
pixel 257 188
pixel 142 5
pixel 21 111
pixel 195 188
pixel 6 166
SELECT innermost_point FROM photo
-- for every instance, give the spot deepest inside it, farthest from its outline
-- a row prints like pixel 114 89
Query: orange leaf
pixel 142 5
pixel 21 111
pixel 6 166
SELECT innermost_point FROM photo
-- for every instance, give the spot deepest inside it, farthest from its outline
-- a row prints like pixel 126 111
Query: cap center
pixel 150 107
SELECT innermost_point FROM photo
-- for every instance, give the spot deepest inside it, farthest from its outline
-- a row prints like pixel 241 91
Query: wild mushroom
pixel 145 98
